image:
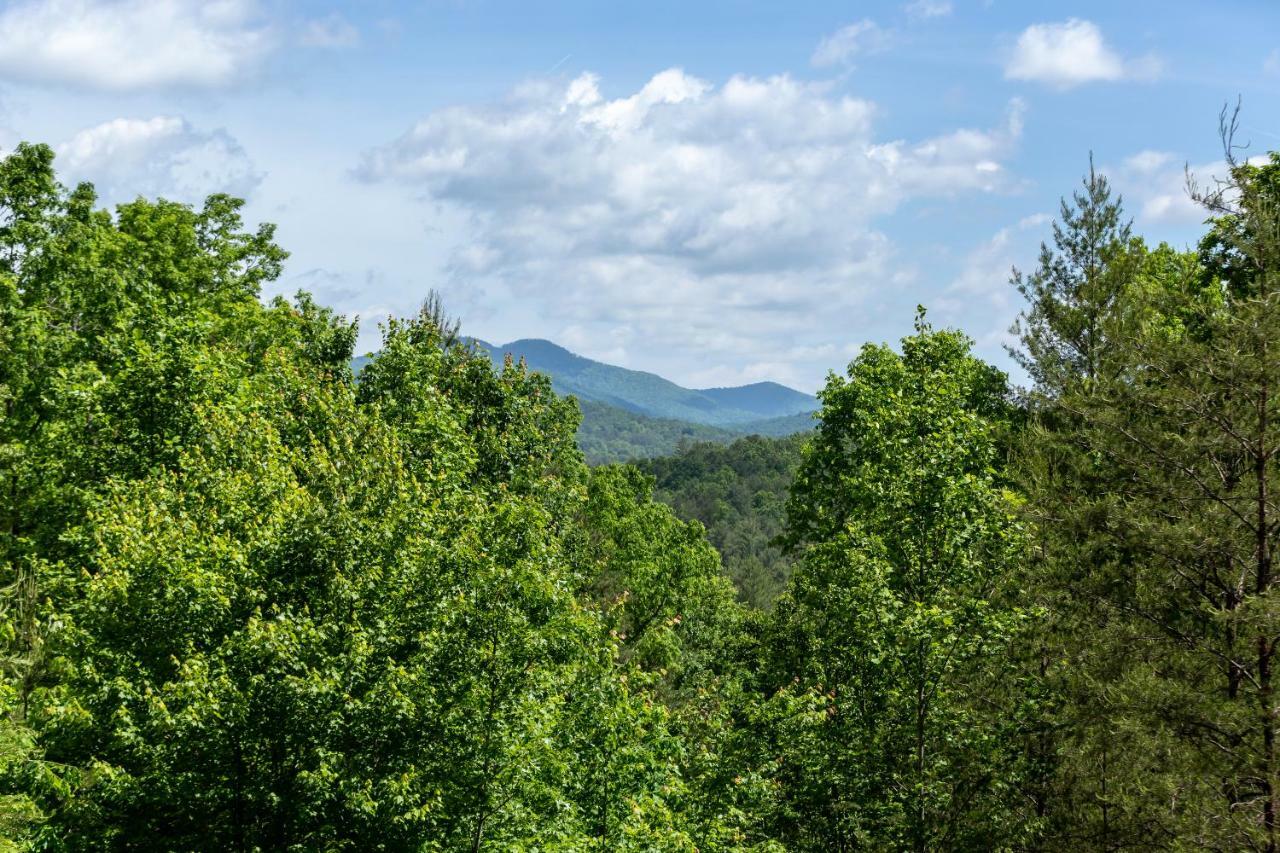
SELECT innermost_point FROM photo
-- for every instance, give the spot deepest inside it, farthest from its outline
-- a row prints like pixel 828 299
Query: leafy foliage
pixel 277 608
pixel 251 601
pixel 897 624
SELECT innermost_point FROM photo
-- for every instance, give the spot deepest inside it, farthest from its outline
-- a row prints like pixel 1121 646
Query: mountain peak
pixel 648 394
pixel 538 344
pixel 765 399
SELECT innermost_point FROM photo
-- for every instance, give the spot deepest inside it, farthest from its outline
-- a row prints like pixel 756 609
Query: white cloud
pixel 980 298
pixel 332 31
pixel 1148 162
pixel 924 9
pixel 1171 207
pixel 842 46
pixel 161 156
pixel 987 267
pixel 124 45
pixel 1162 195
pixel 1154 184
pixel 1070 53
pixel 1155 191
pixel 660 215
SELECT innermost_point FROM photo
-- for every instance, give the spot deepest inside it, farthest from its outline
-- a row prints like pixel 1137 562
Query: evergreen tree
pixel 1150 482
pixel 1072 289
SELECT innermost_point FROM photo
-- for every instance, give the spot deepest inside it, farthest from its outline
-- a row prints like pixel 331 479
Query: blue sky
pixel 718 192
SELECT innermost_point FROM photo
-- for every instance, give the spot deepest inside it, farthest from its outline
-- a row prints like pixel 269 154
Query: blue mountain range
pixel 628 414
pixel 737 408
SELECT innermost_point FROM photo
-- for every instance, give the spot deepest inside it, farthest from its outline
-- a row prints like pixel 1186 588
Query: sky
pixel 718 192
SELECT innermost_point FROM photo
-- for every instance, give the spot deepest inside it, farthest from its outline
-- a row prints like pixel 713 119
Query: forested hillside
pixel 251 603
pixel 629 414
pixel 609 434
pixel 738 492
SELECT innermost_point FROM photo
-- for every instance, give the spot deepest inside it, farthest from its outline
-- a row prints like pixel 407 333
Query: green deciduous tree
pixel 265 606
pixel 896 626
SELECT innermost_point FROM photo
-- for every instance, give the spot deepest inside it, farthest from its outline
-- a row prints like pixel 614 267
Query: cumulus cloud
pixel 986 270
pixel 161 156
pixel 1155 189
pixel 124 45
pixel 1148 162
pixel 663 212
pixel 924 9
pixel 1154 186
pixel 980 298
pixel 857 39
pixel 1070 53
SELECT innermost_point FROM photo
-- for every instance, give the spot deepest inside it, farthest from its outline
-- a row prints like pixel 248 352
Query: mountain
pixel 765 399
pixel 630 414
pixel 780 426
pixel 650 395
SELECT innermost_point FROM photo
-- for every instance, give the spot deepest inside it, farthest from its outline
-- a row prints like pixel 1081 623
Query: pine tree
pixel 1150 476
pixel 1061 332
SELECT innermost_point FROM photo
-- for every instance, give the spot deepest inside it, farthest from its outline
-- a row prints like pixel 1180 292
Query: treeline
pixel 254 604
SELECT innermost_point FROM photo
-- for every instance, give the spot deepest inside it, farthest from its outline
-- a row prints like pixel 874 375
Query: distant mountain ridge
pixel 736 408
pixel 630 414
pixel 765 399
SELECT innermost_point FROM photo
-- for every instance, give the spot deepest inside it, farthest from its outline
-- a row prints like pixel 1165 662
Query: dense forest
pixel 629 415
pixel 610 434
pixel 739 493
pixel 252 602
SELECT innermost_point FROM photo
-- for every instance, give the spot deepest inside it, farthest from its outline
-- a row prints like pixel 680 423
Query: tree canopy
pixel 251 601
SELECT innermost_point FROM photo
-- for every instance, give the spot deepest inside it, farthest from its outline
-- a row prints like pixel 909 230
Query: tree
pixel 738 491
pixel 1067 340
pixel 1103 775
pixel 895 626
pixel 281 608
pixel 78 291
pixel 1151 483
pixel 1071 291
pixel 1236 253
